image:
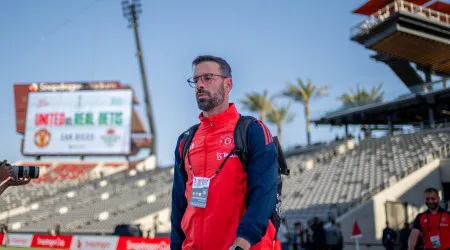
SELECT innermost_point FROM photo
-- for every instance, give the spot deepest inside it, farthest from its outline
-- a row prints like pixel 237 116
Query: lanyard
pixel 218 170
pixel 439 224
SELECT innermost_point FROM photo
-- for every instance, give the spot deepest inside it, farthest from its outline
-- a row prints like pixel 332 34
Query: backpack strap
pixel 241 143
pixel 186 140
pixel 241 139
pixel 282 165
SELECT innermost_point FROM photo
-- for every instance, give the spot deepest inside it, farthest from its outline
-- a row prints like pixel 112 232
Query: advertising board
pixel 94 242
pixel 51 241
pixel 78 123
pixel 137 243
pixel 17 240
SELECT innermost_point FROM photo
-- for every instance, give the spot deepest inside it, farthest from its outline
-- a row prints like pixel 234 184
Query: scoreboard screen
pixel 78 123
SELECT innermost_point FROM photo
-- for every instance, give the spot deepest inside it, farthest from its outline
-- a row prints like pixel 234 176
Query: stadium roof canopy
pixel 440 6
pixel 372 6
pixel 410 109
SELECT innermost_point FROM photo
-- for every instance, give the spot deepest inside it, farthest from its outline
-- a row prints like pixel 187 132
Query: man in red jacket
pixel 217 204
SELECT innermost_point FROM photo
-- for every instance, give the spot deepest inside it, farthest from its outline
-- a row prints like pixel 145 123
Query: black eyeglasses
pixel 206 79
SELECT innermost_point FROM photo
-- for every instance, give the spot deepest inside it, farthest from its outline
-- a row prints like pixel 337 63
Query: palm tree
pixel 361 96
pixel 257 102
pixel 304 94
pixel 278 115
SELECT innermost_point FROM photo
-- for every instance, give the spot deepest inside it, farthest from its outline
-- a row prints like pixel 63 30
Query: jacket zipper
pixel 205 172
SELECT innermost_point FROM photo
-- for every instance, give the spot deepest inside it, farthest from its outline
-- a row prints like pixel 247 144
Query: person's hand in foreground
pixel 6 179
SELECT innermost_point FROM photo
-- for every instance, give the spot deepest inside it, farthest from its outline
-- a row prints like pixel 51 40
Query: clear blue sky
pixel 267 44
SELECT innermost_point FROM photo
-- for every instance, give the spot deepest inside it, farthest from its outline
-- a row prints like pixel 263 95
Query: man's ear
pixel 228 84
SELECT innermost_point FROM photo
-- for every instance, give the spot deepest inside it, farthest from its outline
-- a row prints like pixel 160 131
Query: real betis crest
pixel 110 138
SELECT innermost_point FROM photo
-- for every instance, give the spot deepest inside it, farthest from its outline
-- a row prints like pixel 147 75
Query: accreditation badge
pixel 435 241
pixel 199 195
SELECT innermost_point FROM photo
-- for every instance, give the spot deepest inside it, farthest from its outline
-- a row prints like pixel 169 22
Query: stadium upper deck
pixel 416 109
pixel 415 30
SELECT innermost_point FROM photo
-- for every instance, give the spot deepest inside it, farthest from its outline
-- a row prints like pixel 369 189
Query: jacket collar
pixel 229 114
pixel 440 210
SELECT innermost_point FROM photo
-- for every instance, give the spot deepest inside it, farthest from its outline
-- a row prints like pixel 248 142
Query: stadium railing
pixel 396 6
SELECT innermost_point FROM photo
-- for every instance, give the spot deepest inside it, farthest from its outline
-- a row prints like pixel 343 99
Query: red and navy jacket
pixel 434 224
pixel 239 203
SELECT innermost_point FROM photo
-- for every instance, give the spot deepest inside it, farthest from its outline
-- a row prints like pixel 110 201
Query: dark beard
pixel 213 101
pixel 432 206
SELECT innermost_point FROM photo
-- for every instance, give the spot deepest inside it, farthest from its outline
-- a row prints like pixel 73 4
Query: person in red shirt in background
pixel 434 224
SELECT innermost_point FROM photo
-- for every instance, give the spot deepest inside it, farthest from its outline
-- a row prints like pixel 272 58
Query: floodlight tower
pixel 131 11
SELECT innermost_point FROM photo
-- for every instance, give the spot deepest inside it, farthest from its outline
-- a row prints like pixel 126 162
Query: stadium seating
pixel 301 159
pixel 79 206
pixel 338 182
pixel 67 171
pixel 348 179
pixel 57 177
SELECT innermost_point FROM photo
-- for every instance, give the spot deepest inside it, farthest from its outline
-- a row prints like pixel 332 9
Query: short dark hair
pixel 431 190
pixel 225 68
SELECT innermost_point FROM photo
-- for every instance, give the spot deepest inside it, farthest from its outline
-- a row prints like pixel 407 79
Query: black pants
pixel 334 247
pixel 389 247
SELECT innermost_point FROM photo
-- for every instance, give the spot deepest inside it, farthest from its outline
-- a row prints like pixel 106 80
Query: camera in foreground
pixel 25 172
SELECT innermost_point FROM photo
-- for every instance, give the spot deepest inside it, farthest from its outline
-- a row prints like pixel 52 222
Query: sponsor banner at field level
pixel 50 241
pixel 94 242
pixel 137 243
pixel 78 242
pixel 18 240
pixel 74 123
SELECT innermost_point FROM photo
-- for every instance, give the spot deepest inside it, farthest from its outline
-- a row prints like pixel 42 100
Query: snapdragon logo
pixel 97 244
pixel 146 246
pixel 51 242
pixel 60 87
pixel 18 240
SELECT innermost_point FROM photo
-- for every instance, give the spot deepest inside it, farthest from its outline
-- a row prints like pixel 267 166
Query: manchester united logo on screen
pixel 42 138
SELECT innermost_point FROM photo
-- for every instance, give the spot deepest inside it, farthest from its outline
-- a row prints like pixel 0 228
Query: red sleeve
pixel 267 135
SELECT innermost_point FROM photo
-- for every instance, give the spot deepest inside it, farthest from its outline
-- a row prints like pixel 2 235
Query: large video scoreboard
pixel 80 122
pixel 78 118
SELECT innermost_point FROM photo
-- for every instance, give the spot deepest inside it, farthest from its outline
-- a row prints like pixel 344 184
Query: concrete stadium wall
pixel 364 215
pixel 445 170
pixel 371 215
pixel 163 222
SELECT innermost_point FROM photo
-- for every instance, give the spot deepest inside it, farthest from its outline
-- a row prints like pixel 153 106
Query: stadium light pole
pixel 131 11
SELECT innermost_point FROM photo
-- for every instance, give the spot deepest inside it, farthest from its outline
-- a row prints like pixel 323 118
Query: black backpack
pixel 241 150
